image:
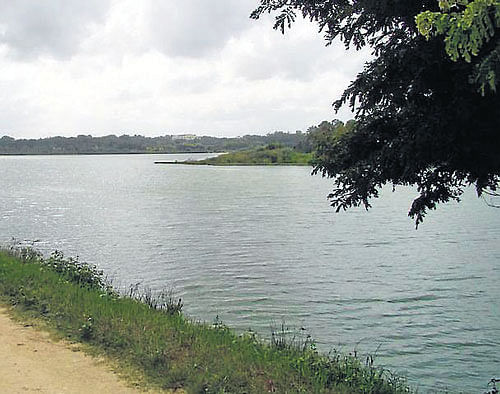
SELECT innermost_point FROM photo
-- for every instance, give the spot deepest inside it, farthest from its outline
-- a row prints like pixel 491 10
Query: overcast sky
pixel 157 67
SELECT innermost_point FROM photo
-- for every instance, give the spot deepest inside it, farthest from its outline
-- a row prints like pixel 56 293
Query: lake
pixel 258 246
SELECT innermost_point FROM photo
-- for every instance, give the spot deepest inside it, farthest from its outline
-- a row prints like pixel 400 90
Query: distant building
pixel 185 137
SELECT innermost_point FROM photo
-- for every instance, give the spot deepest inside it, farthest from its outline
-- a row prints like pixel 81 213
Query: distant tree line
pixel 86 144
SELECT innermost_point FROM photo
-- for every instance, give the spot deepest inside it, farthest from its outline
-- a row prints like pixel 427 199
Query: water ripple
pixel 255 245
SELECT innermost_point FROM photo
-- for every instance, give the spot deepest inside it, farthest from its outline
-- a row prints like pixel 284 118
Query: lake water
pixel 259 245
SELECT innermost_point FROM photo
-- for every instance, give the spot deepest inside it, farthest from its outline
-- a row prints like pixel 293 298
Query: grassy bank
pixel 265 155
pixel 151 334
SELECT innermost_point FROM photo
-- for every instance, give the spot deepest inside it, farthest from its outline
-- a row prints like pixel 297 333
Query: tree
pixel 418 119
pixel 467 26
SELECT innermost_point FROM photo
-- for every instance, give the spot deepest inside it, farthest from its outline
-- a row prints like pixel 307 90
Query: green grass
pixel 266 155
pixel 152 335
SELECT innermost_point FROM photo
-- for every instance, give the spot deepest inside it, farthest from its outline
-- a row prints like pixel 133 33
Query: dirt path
pixel 32 362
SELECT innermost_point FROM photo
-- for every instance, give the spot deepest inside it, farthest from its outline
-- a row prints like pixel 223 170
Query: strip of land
pixel 262 156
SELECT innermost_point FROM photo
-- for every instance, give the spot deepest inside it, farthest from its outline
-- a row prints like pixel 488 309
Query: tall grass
pixel 150 332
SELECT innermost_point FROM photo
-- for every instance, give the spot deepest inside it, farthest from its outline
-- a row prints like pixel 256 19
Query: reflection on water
pixel 256 245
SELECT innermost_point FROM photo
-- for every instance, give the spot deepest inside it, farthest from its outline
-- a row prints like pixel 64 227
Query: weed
pixel 493 383
pixel 87 328
pixel 162 300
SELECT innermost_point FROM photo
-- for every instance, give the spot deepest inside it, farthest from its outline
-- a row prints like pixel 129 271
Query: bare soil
pixel 32 361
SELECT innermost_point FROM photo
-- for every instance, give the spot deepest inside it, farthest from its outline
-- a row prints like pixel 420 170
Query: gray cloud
pixel 298 60
pixel 194 28
pixel 157 65
pixel 33 27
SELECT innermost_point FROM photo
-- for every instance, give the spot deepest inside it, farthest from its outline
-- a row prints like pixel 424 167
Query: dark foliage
pixel 419 120
pixel 74 270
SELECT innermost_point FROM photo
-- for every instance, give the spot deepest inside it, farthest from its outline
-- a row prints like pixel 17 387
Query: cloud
pixel 195 28
pixel 163 66
pixel 298 55
pixel 30 28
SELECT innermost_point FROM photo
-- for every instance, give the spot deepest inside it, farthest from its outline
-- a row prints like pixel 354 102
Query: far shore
pixel 109 153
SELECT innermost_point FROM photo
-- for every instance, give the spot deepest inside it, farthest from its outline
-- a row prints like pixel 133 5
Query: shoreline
pixel 150 333
pixel 110 153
